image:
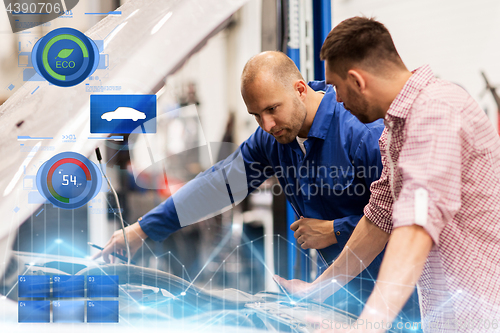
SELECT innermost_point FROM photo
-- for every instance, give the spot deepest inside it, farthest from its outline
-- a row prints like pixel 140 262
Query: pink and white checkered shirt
pixel 440 144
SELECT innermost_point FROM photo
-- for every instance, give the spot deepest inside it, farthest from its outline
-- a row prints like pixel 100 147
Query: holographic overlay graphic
pixel 65 57
pixel 68 180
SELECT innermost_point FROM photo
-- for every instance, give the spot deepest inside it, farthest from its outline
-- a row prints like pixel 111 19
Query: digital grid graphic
pixel 68 299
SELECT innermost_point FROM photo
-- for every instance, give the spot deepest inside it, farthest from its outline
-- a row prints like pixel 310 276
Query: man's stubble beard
pixel 298 119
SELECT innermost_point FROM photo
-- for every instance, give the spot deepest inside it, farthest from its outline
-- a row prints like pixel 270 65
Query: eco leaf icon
pixel 64 53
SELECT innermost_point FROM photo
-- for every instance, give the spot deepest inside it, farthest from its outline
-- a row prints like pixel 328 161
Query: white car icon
pixel 124 112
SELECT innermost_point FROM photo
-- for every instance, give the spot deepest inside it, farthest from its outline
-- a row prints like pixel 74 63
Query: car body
pixel 124 112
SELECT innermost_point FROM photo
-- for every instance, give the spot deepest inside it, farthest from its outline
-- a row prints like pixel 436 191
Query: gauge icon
pixel 65 57
pixel 68 180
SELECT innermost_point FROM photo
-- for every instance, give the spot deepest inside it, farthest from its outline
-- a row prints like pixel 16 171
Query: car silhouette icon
pixel 124 112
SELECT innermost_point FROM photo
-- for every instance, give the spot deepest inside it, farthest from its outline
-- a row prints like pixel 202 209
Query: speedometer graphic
pixel 68 180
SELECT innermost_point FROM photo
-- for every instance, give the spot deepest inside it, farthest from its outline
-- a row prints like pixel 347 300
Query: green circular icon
pixel 67 57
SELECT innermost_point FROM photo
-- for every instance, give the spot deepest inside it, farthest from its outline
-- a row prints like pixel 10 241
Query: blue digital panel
pixel 103 61
pixel 122 113
pixel 68 180
pixel 30 74
pixel 33 312
pixel 34 197
pixel 68 286
pixel 34 286
pixel 65 57
pixel 102 311
pixel 102 286
pixel 100 45
pixel 68 311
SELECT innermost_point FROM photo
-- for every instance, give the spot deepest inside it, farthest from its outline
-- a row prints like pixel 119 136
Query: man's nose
pixel 338 98
pixel 268 123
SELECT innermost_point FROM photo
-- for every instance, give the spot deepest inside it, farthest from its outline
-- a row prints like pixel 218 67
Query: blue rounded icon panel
pixel 68 180
pixel 65 57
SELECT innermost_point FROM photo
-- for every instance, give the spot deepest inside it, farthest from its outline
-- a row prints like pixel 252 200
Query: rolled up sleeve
pixel 344 227
pixel 430 162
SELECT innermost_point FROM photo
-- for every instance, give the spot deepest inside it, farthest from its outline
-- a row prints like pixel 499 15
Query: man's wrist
pixel 138 230
pixel 334 234
pixel 325 286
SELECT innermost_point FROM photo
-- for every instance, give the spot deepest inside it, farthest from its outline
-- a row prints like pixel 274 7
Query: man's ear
pixel 357 79
pixel 301 88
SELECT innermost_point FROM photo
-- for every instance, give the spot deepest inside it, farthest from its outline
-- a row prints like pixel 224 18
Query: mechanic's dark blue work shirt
pixel 331 182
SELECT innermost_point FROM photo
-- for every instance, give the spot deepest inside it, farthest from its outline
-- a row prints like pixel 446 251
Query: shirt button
pixel 338 233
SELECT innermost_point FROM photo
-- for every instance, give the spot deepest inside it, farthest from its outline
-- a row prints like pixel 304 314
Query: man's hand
pixel 317 291
pixel 401 268
pixel 135 237
pixel 298 288
pixel 313 233
pixel 346 266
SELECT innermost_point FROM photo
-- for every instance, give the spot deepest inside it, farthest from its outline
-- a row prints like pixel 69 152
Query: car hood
pixel 155 299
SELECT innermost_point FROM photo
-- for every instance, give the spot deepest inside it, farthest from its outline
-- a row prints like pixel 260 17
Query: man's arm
pixel 355 257
pixel 430 162
pixel 401 268
pixel 202 197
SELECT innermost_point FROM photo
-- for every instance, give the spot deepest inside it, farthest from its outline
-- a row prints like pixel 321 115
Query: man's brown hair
pixel 359 41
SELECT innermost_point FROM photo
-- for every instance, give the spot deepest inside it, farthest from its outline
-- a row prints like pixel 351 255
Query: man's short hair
pixel 280 67
pixel 359 41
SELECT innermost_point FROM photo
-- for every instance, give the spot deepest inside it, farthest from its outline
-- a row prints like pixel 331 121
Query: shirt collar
pixel 324 114
pixel 401 105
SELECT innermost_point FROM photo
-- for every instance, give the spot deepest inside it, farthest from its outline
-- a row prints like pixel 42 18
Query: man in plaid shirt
pixel 437 203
